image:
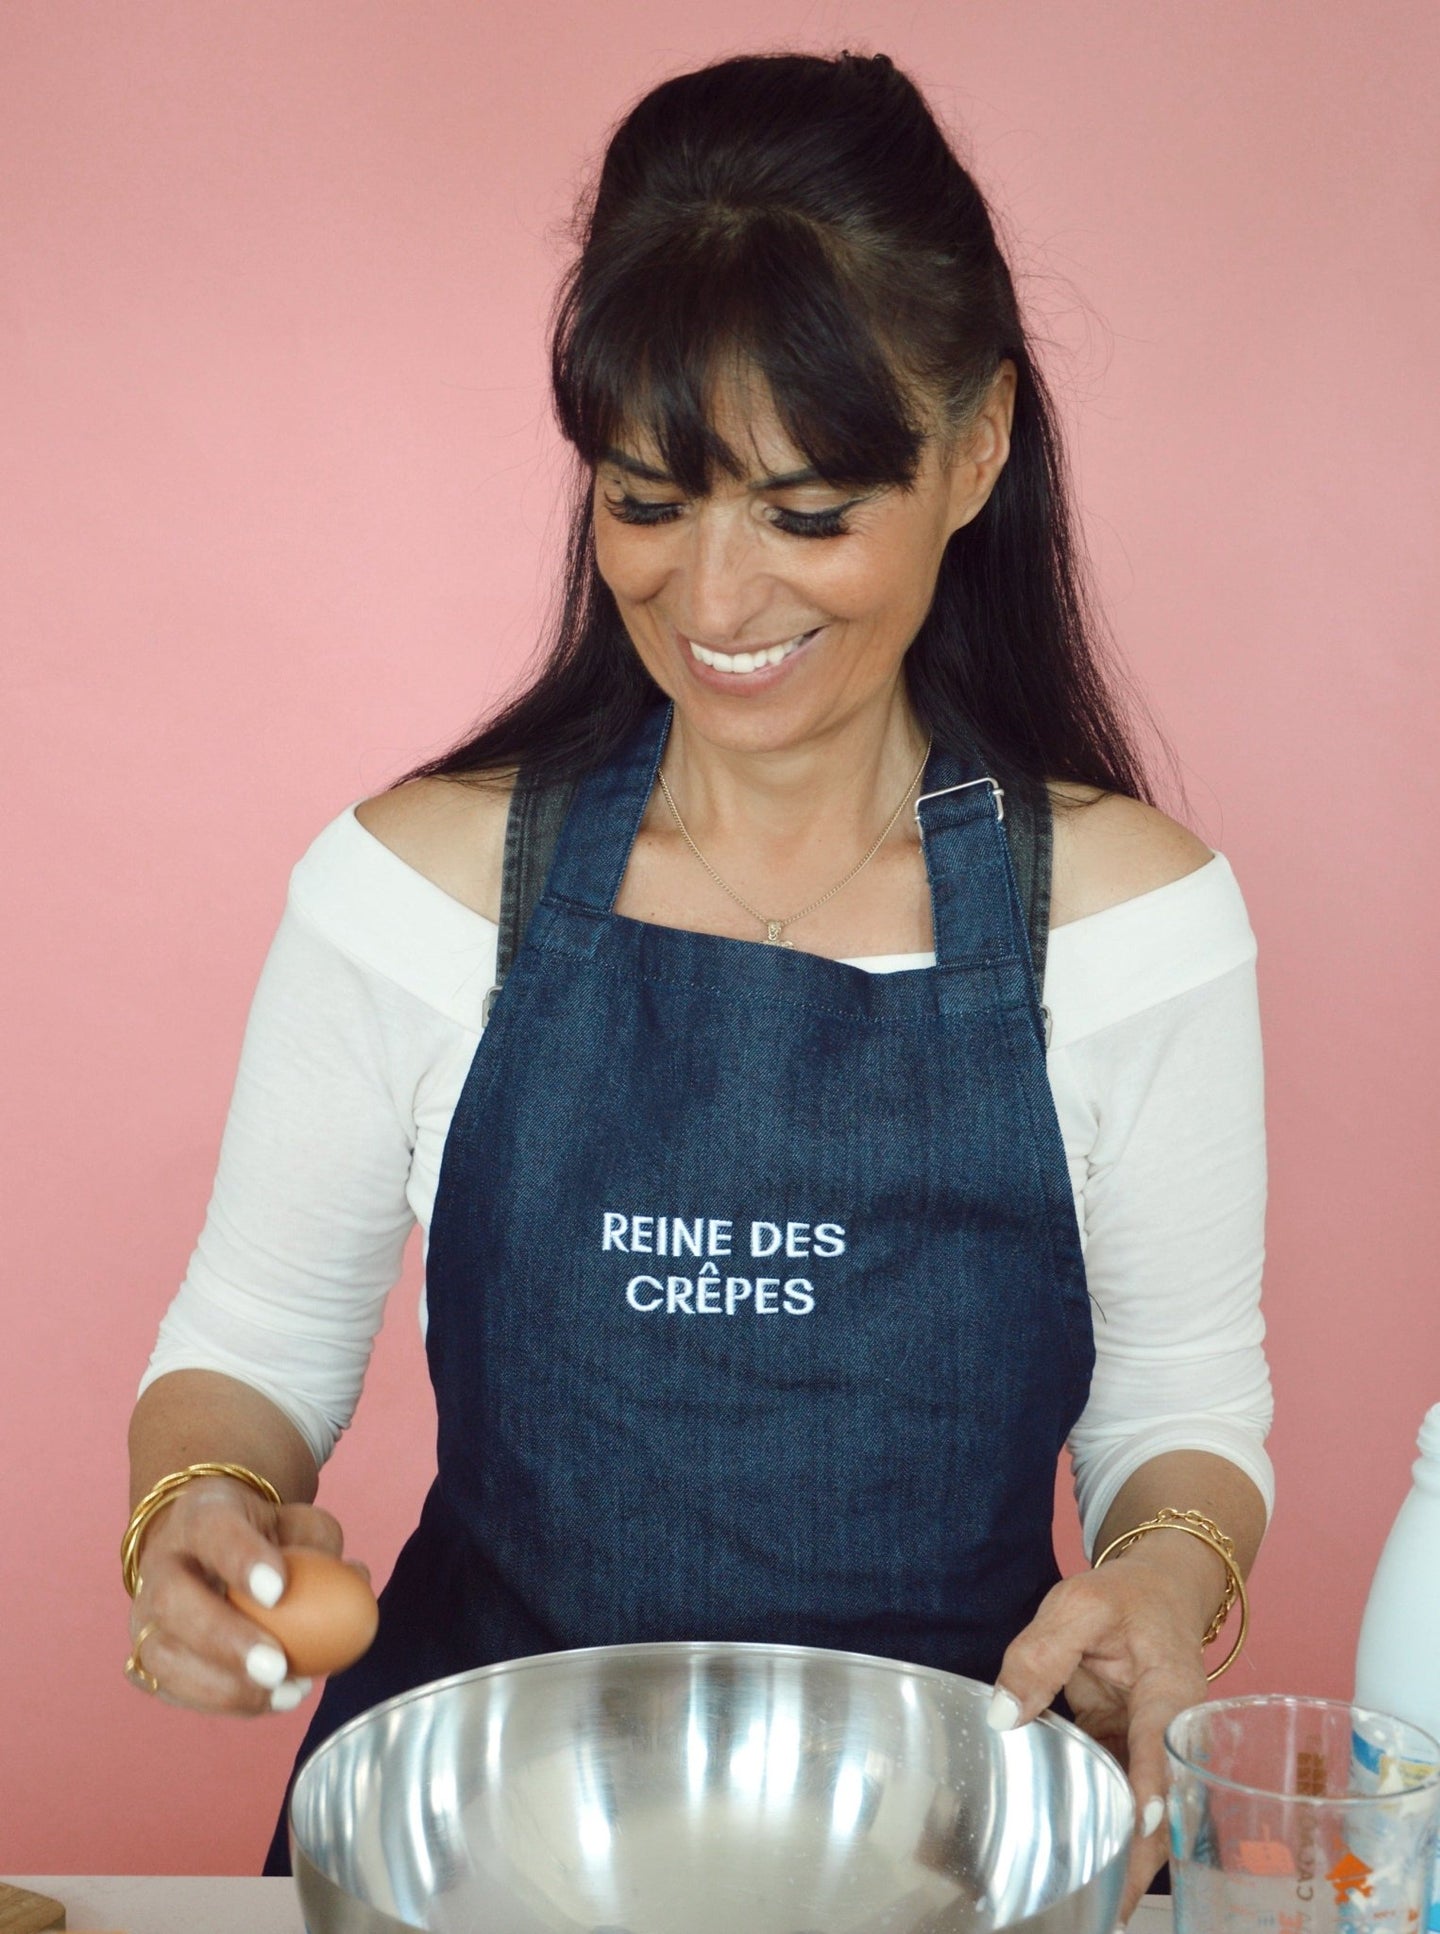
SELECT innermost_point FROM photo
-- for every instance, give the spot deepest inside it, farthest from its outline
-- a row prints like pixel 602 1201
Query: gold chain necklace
pixel 774 929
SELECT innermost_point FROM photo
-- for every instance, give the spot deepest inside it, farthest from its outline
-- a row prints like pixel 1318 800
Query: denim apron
pixel 756 1301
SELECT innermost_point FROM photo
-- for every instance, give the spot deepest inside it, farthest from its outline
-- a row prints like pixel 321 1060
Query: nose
pixel 721 587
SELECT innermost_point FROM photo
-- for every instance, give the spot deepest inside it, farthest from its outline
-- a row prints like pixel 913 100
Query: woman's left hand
pixel 1122 1644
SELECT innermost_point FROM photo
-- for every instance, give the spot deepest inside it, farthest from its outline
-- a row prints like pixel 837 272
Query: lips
pixel 744 664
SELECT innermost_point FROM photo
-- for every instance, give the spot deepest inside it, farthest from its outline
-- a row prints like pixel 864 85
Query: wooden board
pixel 22 1912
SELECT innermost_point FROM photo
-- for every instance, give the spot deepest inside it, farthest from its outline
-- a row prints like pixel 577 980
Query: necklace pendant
pixel 773 931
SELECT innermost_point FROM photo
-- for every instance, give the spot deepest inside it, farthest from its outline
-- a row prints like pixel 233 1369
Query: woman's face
pixel 777 608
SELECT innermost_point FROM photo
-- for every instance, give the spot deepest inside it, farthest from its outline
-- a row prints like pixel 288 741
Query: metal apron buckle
pixel 996 788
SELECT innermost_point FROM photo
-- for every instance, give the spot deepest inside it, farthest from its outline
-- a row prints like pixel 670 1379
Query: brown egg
pixel 326 1618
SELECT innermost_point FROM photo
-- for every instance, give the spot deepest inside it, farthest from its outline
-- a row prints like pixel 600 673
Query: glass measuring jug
pixel 1300 1816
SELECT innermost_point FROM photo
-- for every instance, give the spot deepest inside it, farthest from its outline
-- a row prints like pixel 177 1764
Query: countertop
pixel 145 1904
pixel 166 1904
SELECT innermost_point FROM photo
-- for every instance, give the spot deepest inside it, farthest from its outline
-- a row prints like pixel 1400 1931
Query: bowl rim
pixel 704 1649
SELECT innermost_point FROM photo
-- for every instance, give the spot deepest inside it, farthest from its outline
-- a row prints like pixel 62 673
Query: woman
pixel 756 1299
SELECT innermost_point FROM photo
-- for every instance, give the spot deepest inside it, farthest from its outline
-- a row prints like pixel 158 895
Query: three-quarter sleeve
pixel 1162 1083
pixel 309 1215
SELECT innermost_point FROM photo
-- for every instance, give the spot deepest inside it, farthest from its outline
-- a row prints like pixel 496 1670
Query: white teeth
pixel 738 663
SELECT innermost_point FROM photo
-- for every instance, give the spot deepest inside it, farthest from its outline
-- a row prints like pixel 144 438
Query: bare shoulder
pixel 451 830
pixel 1109 848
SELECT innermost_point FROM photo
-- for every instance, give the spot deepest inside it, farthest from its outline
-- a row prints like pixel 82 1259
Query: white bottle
pixel 1397 1669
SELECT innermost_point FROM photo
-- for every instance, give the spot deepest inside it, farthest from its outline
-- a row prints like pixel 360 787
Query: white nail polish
pixel 1152 1816
pixel 287 1696
pixel 1003 1711
pixel 266 1664
pixel 265 1584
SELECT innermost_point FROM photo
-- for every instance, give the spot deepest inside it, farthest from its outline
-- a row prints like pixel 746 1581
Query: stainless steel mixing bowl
pixel 706 1789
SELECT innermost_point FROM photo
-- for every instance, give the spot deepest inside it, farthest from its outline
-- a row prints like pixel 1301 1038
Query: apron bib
pixel 756 1302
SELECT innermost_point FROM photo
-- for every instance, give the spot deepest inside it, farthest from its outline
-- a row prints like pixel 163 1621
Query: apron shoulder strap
pixel 1030 828
pixel 532 832
pixel 537 813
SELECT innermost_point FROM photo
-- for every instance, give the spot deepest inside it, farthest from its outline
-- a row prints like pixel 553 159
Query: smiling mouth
pixel 740 664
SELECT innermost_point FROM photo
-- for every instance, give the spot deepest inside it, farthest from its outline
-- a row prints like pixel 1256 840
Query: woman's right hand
pixel 200 1650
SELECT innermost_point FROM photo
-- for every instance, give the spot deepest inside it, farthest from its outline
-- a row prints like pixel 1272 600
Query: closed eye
pixel 634 510
pixel 813 523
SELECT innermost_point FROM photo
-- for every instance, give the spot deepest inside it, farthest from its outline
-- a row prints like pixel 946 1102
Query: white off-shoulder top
pixel 363 1027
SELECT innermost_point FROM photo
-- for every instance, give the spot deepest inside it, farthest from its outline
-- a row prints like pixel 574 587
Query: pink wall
pixel 277 480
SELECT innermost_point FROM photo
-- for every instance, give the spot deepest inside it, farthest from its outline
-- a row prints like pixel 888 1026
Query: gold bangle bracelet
pixel 1195 1525
pixel 161 1494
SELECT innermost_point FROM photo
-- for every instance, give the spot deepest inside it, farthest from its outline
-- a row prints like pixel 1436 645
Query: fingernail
pixel 287 1696
pixel 266 1584
pixel 1152 1816
pixel 266 1664
pixel 1003 1711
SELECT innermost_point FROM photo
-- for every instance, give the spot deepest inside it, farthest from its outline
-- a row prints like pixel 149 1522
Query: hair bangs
pixel 736 311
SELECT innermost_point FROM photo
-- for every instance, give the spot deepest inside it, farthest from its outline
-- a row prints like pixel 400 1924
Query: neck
pixel 833 790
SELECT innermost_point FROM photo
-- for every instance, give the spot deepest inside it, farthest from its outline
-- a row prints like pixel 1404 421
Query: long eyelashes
pixel 813 523
pixel 795 523
pixel 631 510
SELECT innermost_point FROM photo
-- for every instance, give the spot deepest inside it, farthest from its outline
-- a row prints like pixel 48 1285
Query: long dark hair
pixel 804 218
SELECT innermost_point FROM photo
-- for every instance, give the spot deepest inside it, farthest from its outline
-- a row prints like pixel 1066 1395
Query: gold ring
pixel 134 1671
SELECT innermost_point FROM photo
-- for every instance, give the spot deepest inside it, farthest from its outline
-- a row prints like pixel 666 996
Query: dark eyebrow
pixel 632 466
pixel 791 480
